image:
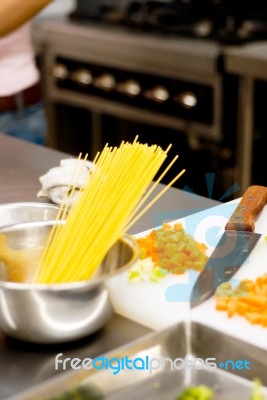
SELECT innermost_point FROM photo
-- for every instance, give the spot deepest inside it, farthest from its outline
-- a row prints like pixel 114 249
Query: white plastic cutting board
pixel 146 302
pixel 237 326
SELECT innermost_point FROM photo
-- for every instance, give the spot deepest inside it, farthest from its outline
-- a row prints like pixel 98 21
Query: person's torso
pixel 17 62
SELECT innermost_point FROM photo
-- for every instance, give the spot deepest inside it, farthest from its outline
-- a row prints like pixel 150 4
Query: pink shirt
pixel 17 63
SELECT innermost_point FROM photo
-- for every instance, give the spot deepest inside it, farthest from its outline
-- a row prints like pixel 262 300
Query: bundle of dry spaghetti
pixel 108 205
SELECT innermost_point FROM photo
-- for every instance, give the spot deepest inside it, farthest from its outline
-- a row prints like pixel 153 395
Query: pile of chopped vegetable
pixel 171 249
pixel 146 270
pixel 257 393
pixel 80 393
pixel 248 300
pixel 201 392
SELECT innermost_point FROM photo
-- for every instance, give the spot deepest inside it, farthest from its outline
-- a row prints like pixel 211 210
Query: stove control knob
pixel 105 82
pixel 187 100
pixel 60 71
pixel 158 94
pixel 82 76
pixel 131 88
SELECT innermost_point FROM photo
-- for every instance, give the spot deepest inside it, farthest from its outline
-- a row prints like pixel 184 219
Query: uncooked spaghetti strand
pixel 70 192
pixel 88 198
pixel 99 255
pixel 106 250
pixel 124 183
pixel 62 205
pixel 65 261
pixel 68 195
pixel 121 229
pixel 73 188
pixel 138 178
pixel 54 228
pixel 107 201
pixel 120 174
pixel 92 167
pixel 161 193
pixel 82 197
pixel 57 250
pixel 104 217
pixel 95 261
pixel 83 269
pixel 155 184
pixel 52 251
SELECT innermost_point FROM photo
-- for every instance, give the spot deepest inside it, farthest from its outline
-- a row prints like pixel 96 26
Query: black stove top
pixel 227 21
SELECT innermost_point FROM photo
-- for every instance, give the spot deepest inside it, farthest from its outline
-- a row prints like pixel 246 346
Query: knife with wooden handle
pixel 234 247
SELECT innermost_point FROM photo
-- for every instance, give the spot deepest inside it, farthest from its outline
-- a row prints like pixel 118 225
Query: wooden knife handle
pixel 247 211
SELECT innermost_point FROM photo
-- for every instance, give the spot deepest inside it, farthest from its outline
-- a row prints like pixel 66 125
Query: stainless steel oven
pixel 107 83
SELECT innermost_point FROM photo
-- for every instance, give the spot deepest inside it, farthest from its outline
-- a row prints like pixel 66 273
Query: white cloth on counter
pixel 71 172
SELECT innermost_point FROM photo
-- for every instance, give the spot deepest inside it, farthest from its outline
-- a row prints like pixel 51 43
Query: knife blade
pixel 234 246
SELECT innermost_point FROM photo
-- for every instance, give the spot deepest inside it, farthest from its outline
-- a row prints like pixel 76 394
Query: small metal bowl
pixel 16 213
pixel 54 313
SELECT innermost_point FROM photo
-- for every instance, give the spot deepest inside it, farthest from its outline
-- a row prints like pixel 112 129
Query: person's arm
pixel 14 13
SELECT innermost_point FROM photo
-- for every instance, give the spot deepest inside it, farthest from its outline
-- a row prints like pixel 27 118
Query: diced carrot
pixel 252 317
pixel 231 307
pixel 263 320
pixel 221 304
pixel 166 227
pixel 241 308
pixel 249 300
pixel 254 301
pixel 178 227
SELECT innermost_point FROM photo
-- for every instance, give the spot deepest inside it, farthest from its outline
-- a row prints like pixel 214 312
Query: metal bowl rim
pixel 69 285
pixel 29 204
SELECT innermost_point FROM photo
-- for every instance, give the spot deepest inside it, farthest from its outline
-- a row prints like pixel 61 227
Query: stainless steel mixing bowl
pixel 15 213
pixel 58 312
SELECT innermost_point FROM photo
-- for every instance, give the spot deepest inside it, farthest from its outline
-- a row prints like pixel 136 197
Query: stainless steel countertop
pixel 249 60
pixel 23 365
pixel 22 163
